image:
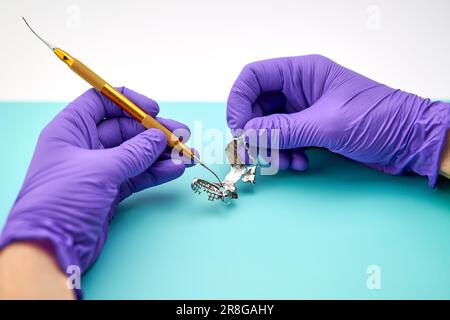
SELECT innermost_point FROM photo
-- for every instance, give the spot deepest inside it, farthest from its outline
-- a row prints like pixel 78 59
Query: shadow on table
pixel 331 173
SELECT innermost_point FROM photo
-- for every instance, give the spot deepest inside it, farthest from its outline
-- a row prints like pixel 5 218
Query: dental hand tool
pixel 87 159
pixel 123 102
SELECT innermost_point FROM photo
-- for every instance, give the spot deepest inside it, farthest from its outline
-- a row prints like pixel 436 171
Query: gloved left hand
pixel 88 158
pixel 311 101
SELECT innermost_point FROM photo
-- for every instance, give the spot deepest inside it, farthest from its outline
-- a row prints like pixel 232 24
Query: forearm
pixel 28 271
pixel 445 159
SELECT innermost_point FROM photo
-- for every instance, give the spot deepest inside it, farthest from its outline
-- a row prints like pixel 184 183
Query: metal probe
pixel 123 102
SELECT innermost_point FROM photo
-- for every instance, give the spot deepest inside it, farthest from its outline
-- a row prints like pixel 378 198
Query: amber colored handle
pixel 172 140
pixel 123 102
pixel 87 74
pixel 145 119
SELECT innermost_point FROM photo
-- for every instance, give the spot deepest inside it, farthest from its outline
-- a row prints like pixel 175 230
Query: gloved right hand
pixel 315 102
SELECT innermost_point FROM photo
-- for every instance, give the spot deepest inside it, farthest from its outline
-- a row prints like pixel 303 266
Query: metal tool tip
pixel 200 162
pixel 196 159
pixel 48 44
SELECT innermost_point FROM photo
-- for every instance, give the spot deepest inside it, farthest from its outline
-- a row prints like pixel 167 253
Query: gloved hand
pixel 88 158
pixel 315 102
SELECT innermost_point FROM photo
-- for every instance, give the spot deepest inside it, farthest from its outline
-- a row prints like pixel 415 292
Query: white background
pixel 193 50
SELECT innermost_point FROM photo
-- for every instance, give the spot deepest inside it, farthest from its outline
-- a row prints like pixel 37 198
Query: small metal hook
pixel 48 44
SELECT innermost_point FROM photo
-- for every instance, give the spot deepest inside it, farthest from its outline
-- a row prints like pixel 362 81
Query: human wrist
pixel 19 229
pixel 444 168
pixel 427 138
pixel 28 270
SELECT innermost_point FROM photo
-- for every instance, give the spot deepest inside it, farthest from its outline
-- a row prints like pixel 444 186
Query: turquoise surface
pixel 293 235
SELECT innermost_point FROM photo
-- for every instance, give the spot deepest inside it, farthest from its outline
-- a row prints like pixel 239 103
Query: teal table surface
pixel 291 236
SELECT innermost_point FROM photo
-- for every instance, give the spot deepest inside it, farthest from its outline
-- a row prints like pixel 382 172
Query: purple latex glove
pixel 88 158
pixel 315 102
